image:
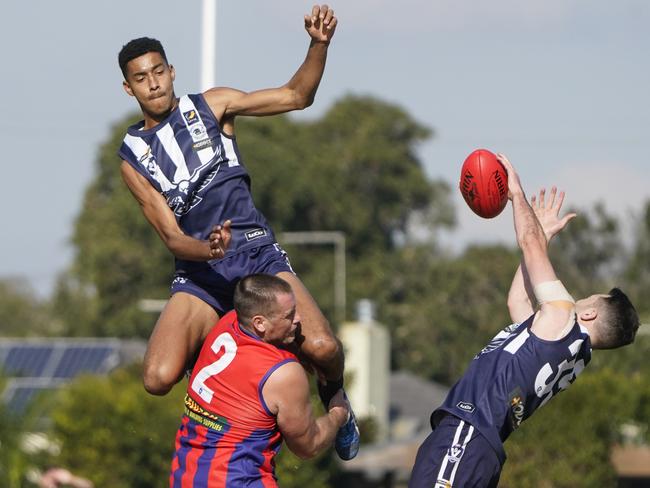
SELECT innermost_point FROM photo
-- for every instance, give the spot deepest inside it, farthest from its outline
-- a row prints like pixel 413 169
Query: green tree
pixel 588 254
pixel 636 274
pixel 444 310
pixel 568 442
pixel 114 433
pixel 21 313
pixel 13 461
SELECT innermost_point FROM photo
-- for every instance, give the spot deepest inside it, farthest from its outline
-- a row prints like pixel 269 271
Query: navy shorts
pixel 215 284
pixel 455 455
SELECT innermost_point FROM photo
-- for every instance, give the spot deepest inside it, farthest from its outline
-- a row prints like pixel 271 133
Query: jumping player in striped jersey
pixel 526 364
pixel 247 393
pixel 183 166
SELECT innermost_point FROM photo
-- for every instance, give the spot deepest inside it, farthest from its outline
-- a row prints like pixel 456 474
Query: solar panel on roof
pixel 35 365
pixel 81 359
pixel 21 396
pixel 26 360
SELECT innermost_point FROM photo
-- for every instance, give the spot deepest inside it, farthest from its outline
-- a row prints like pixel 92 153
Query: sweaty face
pixel 282 324
pixel 151 81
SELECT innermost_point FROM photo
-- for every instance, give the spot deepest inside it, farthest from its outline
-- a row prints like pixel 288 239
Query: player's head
pixel 611 318
pixel 265 304
pixel 148 76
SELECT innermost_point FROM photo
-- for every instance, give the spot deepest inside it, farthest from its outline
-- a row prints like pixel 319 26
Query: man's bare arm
pixel 521 298
pixel 553 316
pixel 286 393
pixel 160 216
pixel 298 93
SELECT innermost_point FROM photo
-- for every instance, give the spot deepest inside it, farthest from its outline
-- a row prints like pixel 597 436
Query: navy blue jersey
pixel 199 171
pixel 513 376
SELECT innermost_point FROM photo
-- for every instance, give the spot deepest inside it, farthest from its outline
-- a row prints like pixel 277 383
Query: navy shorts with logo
pixel 215 285
pixel 454 455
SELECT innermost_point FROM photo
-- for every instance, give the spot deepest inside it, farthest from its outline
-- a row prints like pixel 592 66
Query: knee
pixel 325 350
pixel 158 379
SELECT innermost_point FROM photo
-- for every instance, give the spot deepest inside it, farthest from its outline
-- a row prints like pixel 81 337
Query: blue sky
pixel 561 86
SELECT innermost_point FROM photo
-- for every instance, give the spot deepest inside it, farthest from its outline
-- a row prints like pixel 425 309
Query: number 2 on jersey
pixel 226 341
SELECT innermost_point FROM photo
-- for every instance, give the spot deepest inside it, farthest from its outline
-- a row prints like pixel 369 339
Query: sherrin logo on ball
pixel 484 184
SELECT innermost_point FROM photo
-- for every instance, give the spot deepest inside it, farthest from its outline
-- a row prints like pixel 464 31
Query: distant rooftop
pixel 34 365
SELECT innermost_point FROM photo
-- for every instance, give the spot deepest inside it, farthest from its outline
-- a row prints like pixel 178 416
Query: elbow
pixel 304 452
pixel 301 100
pixel 531 241
pixel 306 101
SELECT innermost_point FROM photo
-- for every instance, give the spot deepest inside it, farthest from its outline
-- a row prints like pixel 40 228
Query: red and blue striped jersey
pixel 228 437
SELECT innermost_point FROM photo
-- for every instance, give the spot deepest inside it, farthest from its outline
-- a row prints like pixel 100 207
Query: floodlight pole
pixel 208 43
pixel 337 238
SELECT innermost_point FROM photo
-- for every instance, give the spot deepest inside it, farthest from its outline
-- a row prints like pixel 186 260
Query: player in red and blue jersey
pixel 527 363
pixel 247 392
pixel 183 166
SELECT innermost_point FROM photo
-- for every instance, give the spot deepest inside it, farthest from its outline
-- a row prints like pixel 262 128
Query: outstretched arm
pixel 157 212
pixel 297 93
pixel 286 394
pixel 521 298
pixel 554 313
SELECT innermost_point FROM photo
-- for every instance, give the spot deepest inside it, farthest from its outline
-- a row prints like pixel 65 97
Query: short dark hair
pixel 136 48
pixel 256 294
pixel 620 321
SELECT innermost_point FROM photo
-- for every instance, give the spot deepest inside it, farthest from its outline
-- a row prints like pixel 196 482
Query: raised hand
pixel 220 239
pixel 514 184
pixel 321 23
pixel 548 212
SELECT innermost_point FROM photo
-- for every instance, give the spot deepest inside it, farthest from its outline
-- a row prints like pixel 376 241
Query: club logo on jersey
pixel 517 406
pixel 184 201
pixel 466 407
pixel 198 131
pixel 255 234
pixel 441 483
pixel 190 117
pixel 455 452
pixel 149 161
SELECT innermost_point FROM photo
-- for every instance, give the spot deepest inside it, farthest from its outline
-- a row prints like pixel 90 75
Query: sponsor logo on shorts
pixel 179 280
pixel 466 407
pixel 455 452
pixel 255 234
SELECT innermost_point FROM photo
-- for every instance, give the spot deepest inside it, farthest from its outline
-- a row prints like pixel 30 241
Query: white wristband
pixel 552 291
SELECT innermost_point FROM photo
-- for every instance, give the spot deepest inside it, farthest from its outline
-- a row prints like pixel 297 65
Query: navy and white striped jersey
pixel 198 169
pixel 513 376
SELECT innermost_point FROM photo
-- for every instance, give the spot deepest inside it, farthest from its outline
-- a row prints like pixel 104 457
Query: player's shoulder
pixel 287 374
pixel 221 95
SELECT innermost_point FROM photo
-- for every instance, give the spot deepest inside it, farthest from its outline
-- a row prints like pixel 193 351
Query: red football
pixel 484 183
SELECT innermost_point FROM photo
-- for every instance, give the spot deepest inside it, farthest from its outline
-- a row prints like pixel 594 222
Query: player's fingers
pixel 333 23
pixel 323 11
pixel 329 15
pixel 308 21
pixel 542 194
pixel 551 200
pixel 560 200
pixel 315 12
pixel 533 202
pixel 506 162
